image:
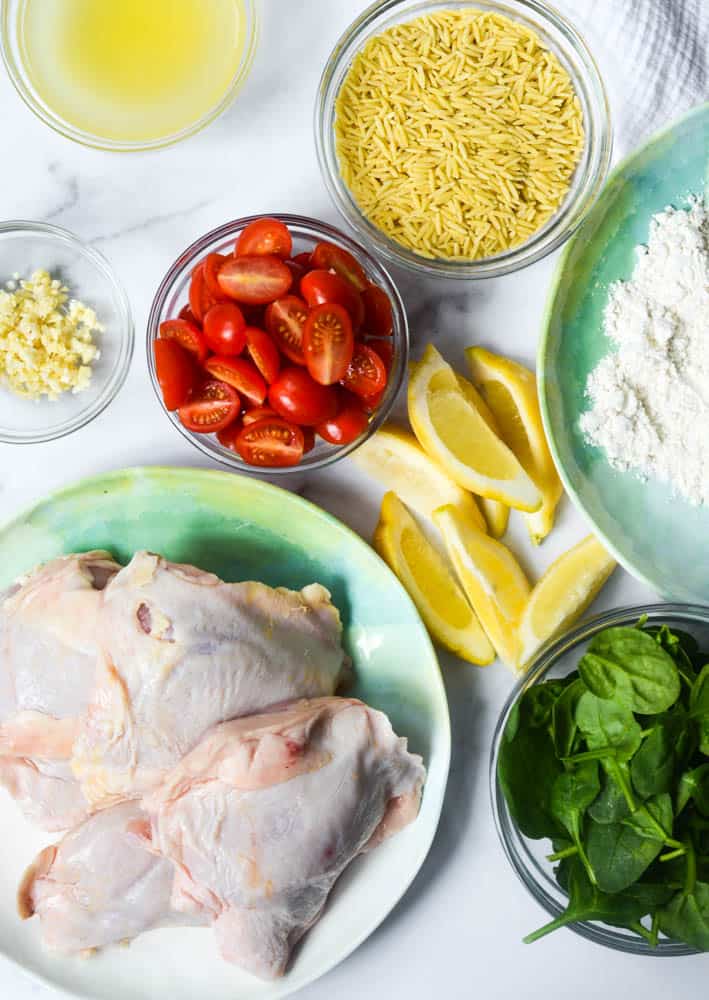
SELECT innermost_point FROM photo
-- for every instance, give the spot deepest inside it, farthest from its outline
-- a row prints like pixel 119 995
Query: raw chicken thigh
pixel 100 885
pixel 265 813
pixel 181 651
pixel 48 649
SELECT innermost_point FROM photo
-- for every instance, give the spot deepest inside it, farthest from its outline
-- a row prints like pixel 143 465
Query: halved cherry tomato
pixel 285 320
pixel 224 328
pixel 211 409
pixel 212 264
pixel 319 287
pixel 371 403
pixel 263 352
pixel 303 259
pixel 201 299
pixel 328 343
pixel 228 435
pixel 242 374
pixel 329 257
pixel 385 350
pixel 257 413
pixel 270 442
pixel 255 280
pixel 187 334
pixel 347 425
pixel 366 375
pixel 176 371
pixel 187 314
pixel 308 439
pixel 296 396
pixel 378 317
pixel 264 237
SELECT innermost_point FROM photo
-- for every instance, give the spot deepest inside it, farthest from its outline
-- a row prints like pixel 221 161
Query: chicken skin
pixel 182 651
pixel 48 650
pixel 263 816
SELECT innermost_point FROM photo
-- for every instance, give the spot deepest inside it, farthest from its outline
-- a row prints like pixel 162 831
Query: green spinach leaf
pixel 564 727
pixel 694 785
pixel 572 794
pixel 611 806
pixel 699 708
pixel 653 766
pixel 686 917
pixel 618 854
pixel 627 664
pixel 653 819
pixel 608 725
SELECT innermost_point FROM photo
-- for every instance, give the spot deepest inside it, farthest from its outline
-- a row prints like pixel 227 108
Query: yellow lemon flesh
pixel 492 579
pixel 430 584
pixel 562 595
pixel 496 516
pixel 452 430
pixel 394 458
pixel 510 391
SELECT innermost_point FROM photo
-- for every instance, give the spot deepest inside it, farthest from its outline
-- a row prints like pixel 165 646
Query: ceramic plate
pixel 241 529
pixel 661 540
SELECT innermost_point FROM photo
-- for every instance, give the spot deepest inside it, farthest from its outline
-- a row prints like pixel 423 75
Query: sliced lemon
pixel 492 579
pixel 510 391
pixel 430 584
pixel 452 430
pixel 496 516
pixel 394 458
pixel 563 594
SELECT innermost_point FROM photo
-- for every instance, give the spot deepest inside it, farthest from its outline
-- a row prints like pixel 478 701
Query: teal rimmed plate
pixel 660 539
pixel 240 528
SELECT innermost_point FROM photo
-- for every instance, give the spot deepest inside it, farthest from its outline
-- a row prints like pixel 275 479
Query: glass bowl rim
pixel 117 378
pixel 16 73
pixel 562 224
pixel 399 338
pixel 546 658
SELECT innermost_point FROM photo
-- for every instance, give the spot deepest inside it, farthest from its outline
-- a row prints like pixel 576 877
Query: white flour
pixel 650 398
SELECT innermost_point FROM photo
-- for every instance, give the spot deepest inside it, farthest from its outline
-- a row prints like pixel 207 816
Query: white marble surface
pixel 457 933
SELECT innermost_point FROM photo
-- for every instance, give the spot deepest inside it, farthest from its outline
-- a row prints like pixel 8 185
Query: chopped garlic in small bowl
pixel 66 333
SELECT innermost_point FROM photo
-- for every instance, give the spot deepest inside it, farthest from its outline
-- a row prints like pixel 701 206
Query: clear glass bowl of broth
pixel 133 75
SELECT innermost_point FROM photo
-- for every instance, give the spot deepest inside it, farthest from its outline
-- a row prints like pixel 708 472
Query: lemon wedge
pixel 394 458
pixel 430 584
pixel 452 430
pixel 496 516
pixel 492 579
pixel 510 392
pixel 562 595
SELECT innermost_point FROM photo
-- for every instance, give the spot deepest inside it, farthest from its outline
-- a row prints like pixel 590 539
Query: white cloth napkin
pixel 654 56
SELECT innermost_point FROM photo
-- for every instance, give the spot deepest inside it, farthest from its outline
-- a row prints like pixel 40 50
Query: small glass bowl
pixel 171 296
pixel 12 47
pixel 29 246
pixel 560 37
pixel 528 857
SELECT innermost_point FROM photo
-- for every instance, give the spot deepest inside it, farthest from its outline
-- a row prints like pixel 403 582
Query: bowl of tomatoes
pixel 276 342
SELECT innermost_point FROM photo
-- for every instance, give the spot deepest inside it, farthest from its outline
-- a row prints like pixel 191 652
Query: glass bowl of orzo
pixel 463 138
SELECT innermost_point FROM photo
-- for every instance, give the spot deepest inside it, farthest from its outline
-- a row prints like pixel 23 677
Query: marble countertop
pixel 457 932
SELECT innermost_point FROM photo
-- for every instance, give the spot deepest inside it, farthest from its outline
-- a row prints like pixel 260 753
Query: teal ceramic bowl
pixel 240 528
pixel 660 539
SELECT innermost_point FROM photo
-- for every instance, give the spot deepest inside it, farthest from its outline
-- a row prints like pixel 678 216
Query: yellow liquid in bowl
pixel 132 70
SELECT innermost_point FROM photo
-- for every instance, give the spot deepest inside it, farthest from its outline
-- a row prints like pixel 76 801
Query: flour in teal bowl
pixel 649 397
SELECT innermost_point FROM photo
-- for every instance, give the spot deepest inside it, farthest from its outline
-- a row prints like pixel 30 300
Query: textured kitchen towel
pixel 654 56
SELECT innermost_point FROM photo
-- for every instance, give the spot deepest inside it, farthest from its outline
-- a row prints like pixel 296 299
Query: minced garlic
pixel 46 346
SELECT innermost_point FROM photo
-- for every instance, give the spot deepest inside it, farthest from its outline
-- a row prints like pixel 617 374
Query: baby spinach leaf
pixel 699 708
pixel 682 647
pixel 528 767
pixel 694 785
pixel 649 895
pixel 611 806
pixel 618 854
pixel 564 727
pixel 608 725
pixel 686 917
pixel 587 902
pixel 653 819
pixel 640 672
pixel 572 794
pixel 653 766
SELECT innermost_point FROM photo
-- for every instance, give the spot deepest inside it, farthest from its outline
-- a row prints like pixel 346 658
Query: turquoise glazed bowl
pixel 240 528
pixel 660 539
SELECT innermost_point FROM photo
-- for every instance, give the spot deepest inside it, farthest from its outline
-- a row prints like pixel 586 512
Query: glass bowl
pixel 13 53
pixel 26 247
pixel 528 857
pixel 172 295
pixel 560 37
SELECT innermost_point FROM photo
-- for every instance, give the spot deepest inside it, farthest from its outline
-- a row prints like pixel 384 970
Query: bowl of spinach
pixel 600 780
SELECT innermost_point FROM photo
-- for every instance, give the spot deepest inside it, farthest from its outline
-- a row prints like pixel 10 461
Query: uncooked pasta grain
pixel 458 133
